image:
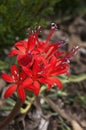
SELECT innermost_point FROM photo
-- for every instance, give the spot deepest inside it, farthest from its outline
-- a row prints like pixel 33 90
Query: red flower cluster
pixel 40 62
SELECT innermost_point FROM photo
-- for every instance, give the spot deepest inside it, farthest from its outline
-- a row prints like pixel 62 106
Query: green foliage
pixel 3 65
pixel 70 8
pixel 82 100
pixel 16 16
pixel 73 78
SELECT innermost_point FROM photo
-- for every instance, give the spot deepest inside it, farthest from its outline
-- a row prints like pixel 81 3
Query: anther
pixel 53 26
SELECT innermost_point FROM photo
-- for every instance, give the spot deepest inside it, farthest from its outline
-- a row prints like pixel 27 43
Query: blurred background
pixel 17 16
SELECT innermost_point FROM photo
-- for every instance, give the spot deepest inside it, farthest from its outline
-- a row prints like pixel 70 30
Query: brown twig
pixel 11 116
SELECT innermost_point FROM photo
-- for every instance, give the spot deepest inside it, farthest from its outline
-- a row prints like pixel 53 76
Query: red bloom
pixel 24 56
pixel 41 63
pixel 44 73
pixel 30 49
pixel 17 80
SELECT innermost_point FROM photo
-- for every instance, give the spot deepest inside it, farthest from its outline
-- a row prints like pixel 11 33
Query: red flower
pixel 47 72
pixel 44 73
pixel 41 63
pixel 26 49
pixel 17 80
pixel 24 56
pixel 32 48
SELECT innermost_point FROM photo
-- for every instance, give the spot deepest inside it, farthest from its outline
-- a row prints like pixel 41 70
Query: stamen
pixel 30 31
pixel 13 77
pixel 49 51
pixel 41 72
pixel 74 50
pixel 15 72
pixel 17 75
pixel 38 30
pixel 53 28
pixel 21 78
pixel 68 57
pixel 62 43
pixel 66 60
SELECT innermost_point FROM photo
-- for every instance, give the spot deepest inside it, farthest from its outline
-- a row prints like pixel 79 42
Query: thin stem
pixel 29 103
pixel 11 116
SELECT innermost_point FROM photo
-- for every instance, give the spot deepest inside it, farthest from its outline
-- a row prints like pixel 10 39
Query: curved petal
pixel 35 68
pixel 36 88
pixel 10 90
pixel 57 82
pixel 21 93
pixel 32 42
pixel 45 81
pixel 27 71
pixel 14 69
pixel 53 61
pixel 7 78
pixel 51 82
pixel 21 48
pixel 21 43
pixel 22 75
pixel 24 60
pixel 14 52
pixel 15 72
pixel 27 82
pixel 65 71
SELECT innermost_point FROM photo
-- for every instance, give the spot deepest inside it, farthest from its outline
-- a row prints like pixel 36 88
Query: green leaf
pixel 73 78
pixel 3 65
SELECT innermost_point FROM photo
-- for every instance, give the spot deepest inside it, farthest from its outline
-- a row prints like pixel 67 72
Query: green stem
pixel 11 116
pixel 29 103
pixel 73 78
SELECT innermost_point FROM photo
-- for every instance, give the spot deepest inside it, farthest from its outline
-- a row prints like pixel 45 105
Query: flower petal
pixel 10 90
pixel 27 71
pixel 36 88
pixel 57 82
pixel 22 75
pixel 35 68
pixel 32 42
pixel 21 93
pixel 14 70
pixel 51 82
pixel 14 52
pixel 65 71
pixel 45 81
pixel 21 43
pixel 21 48
pixel 7 77
pixel 27 82
pixel 24 60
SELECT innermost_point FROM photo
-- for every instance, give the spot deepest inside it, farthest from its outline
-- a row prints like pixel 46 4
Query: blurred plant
pixel 71 9
pixel 17 16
